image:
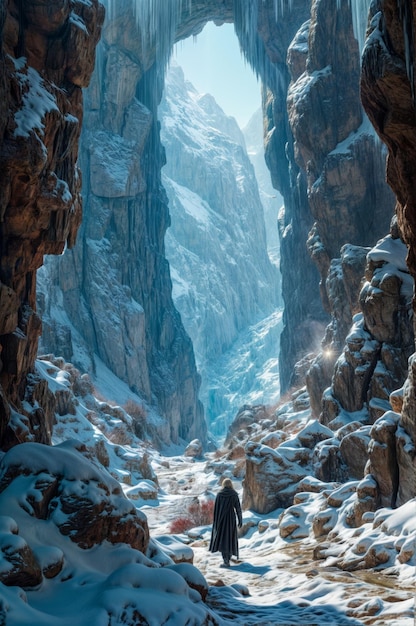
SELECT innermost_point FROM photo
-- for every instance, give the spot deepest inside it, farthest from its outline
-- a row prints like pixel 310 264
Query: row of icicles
pixel 158 19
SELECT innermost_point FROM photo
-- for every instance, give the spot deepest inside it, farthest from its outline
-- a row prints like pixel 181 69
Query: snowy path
pixel 286 586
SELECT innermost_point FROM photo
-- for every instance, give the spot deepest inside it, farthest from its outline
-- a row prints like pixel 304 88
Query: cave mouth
pixel 238 368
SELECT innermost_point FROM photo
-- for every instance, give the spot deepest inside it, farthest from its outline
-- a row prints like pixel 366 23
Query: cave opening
pixel 222 244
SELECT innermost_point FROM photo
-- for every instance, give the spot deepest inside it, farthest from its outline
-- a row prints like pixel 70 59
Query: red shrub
pixel 181 525
pixel 199 514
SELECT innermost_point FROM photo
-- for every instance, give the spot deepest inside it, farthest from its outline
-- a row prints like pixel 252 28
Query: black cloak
pixel 224 527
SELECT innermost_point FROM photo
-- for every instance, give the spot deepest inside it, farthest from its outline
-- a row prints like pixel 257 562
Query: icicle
pixel 360 10
pixel 281 7
pixel 157 21
pixel 359 14
pixel 406 15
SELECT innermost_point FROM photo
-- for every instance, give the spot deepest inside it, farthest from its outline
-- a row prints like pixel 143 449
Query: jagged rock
pixel 297 52
pixel 245 423
pixel 332 154
pixel 328 463
pixel 328 169
pixel 193 577
pixel 238 452
pixel 313 484
pixel 387 95
pixel 274 439
pixel 21 567
pixel 326 519
pixel 322 523
pixel 313 433
pixel 386 296
pixel 374 362
pixel 353 371
pixel 406 453
pixel 396 400
pixel 407 420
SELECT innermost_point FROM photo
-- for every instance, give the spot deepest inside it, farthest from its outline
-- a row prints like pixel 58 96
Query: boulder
pixel 21 568
pixel 270 480
pixel 84 502
pixel 194 449
pixel 193 577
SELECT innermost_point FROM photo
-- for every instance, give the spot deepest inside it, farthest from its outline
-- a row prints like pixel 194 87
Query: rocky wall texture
pixel 46 58
pixel 388 95
pixel 343 165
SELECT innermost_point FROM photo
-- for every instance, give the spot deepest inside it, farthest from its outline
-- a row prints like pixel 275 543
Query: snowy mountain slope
pixel 223 280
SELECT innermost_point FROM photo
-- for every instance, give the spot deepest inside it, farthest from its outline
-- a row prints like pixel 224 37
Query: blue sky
pixel 213 63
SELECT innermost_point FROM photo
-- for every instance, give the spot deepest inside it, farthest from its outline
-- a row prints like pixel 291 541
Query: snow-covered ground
pixel 276 581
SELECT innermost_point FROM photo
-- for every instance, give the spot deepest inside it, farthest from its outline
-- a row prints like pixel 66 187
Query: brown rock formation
pixel 47 56
pixel 273 476
pixel 388 95
pixel 374 360
pixel 22 568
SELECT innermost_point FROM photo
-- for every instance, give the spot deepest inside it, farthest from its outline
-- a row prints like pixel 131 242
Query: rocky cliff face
pixel 374 361
pixel 115 285
pixel 47 55
pixel 127 215
pixel 388 88
pixel 270 198
pixel 343 167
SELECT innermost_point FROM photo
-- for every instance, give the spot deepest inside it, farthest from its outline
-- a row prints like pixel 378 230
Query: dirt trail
pixel 268 583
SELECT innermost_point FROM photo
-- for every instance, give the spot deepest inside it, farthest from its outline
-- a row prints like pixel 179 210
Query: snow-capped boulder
pixel 193 578
pixel 383 463
pixel 59 485
pixel 367 500
pixel 194 449
pixel 272 476
pixel 143 490
pixel 19 564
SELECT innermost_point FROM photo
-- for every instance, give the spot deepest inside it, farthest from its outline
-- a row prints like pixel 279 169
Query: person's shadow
pixel 250 569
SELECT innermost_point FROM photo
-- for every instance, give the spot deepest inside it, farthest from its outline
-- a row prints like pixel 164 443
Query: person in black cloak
pixel 224 528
